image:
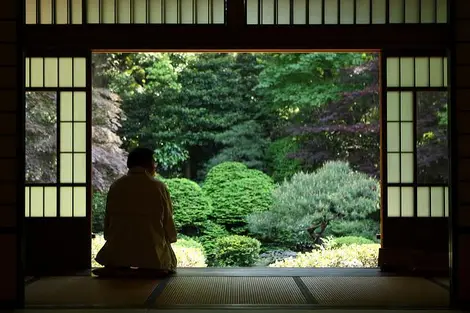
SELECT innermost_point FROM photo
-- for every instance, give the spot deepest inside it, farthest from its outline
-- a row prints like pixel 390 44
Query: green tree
pixel 329 102
pixel 243 143
pixel 146 83
pixel 280 163
pixel 216 104
pixel 294 81
pixel 193 109
pixel 304 206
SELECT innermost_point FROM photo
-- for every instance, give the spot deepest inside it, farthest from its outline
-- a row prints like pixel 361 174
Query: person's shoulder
pixel 158 183
pixel 117 182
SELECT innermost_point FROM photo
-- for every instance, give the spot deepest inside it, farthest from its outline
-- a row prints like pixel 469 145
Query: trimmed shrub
pixel 334 192
pixel 347 256
pixel 222 173
pixel 189 253
pixel 210 233
pixel 281 166
pixel 96 244
pixel 236 191
pixel 237 251
pixel 98 211
pixel 191 207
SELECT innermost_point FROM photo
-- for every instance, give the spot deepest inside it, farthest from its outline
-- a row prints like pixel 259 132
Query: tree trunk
pixel 187 169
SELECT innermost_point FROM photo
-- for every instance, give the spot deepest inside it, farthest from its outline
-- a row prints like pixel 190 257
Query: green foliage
pixel 189 253
pixel 189 256
pixel 222 173
pixel 443 116
pixel 243 143
pixel 280 164
pixel 210 233
pixel 214 100
pixel 295 81
pixel 366 228
pixel 147 83
pixel 245 140
pixel 329 102
pixel 237 191
pixel 191 207
pixel 350 240
pixel 130 73
pixel 332 192
pixel 148 118
pixel 365 255
pixel 237 251
pixel 188 242
pixel 98 211
pixel 166 98
pixel 169 155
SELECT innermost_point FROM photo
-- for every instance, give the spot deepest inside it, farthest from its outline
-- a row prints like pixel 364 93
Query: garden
pixel 271 159
pixel 240 217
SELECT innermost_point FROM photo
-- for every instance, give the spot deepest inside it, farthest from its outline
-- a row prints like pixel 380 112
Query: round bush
pixel 222 173
pixel 191 207
pixel 236 191
pixel 237 251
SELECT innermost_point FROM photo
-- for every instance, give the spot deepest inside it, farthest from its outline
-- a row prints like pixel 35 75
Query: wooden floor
pixel 215 288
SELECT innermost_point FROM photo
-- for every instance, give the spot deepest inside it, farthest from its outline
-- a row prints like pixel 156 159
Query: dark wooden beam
pixel 208 37
pixel 236 16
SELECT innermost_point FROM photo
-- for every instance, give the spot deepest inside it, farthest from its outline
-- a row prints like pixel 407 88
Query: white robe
pixel 139 226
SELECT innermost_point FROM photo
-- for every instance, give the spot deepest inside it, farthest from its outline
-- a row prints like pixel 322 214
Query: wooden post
pixel 11 156
pixel 460 153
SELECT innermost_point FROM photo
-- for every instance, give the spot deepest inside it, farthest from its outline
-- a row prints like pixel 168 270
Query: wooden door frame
pixel 59 40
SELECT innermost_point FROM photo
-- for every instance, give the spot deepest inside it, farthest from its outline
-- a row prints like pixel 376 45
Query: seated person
pixel 139 226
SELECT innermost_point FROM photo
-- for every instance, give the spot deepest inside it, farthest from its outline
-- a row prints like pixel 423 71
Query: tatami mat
pixel 219 292
pixel 377 291
pixel 445 282
pixel 278 272
pixel 89 291
pixel 231 290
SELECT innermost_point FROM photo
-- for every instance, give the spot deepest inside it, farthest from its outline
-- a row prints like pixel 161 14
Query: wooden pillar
pixel 11 164
pixel 460 145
